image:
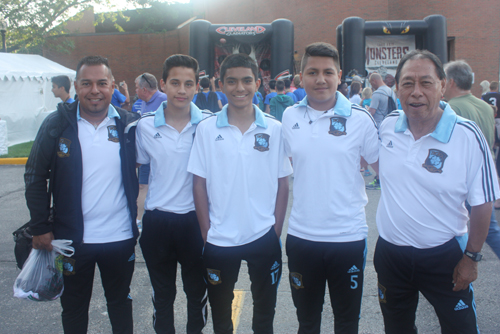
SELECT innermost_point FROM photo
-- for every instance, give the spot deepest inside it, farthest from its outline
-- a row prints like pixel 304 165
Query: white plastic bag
pixel 41 278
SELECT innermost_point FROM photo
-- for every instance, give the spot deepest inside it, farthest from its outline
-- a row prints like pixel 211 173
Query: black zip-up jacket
pixel 58 135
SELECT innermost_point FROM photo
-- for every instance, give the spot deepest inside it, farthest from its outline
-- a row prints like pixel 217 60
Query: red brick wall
pixel 129 55
pixel 474 24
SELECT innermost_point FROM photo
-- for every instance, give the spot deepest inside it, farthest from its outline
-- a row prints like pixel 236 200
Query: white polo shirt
pixel 106 216
pixel 170 185
pixel 426 182
pixel 329 195
pixel 242 172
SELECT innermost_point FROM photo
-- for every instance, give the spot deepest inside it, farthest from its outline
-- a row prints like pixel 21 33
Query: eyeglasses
pixel 144 77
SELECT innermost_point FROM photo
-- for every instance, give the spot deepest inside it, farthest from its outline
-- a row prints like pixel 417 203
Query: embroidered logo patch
pixel 64 145
pixel 68 266
pixel 296 281
pixel 261 142
pixel 113 133
pixel 337 126
pixel 214 276
pixel 381 294
pixel 435 161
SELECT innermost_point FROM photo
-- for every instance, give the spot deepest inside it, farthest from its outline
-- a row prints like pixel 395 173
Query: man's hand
pixel 43 241
pixel 465 273
pixel 124 86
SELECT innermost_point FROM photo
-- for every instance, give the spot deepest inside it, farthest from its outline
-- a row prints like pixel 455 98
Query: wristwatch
pixel 476 257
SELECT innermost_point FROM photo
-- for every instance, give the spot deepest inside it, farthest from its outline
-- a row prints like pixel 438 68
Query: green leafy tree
pixel 32 21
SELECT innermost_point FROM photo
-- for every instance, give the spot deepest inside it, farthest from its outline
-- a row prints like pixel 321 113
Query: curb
pixel 13 161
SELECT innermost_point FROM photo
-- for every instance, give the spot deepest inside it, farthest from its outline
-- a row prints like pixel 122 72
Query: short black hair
pixel 205 82
pixel 320 49
pixel 272 84
pixel 280 85
pixel 62 81
pixel 421 54
pixel 238 60
pixel 93 61
pixel 288 83
pixel 180 61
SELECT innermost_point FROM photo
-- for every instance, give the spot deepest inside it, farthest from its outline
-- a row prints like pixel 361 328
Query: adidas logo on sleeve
pixel 389 145
pixel 157 136
pixel 219 137
pixel 296 126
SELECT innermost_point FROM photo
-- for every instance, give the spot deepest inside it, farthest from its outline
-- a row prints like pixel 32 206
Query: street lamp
pixel 3 30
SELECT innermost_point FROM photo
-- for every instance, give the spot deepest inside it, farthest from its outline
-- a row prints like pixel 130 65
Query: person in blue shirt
pixel 300 93
pixel 60 88
pixel 288 83
pixel 118 99
pixel 222 96
pixel 272 87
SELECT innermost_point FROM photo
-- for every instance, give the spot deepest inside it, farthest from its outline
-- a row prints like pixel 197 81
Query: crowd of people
pixel 215 190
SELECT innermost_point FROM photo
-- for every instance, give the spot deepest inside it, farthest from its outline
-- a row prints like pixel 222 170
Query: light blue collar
pixel 260 119
pixel 342 106
pixel 196 115
pixel 111 112
pixel 444 128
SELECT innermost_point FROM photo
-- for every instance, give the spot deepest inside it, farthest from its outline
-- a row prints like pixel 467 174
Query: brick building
pixel 473 31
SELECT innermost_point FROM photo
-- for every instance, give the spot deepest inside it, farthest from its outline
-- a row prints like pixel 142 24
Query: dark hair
pixel 280 85
pixel 421 54
pixel 355 88
pixel 93 61
pixel 288 83
pixel 494 86
pixel 320 49
pixel 62 81
pixel 272 84
pixel 205 82
pixel 238 60
pixel 461 73
pixel 180 61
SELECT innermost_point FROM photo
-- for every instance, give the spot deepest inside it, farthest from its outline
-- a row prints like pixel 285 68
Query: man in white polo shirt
pixel 431 162
pixel 171 232
pixel 325 135
pixel 241 193
pixel 88 150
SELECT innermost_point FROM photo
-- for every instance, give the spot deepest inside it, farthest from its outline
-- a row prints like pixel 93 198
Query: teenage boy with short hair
pixel 60 88
pixel 326 135
pixel 241 193
pixel 171 232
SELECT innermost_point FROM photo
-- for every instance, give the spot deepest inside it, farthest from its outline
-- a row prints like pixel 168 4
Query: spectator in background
pixel 136 107
pixel 60 88
pixel 493 96
pixel 272 87
pixel 288 84
pixel 218 91
pixel 118 99
pixel 299 92
pixel 367 97
pixel 354 96
pixel 343 88
pixel 206 99
pixel 280 102
pixel 146 87
pixel 485 86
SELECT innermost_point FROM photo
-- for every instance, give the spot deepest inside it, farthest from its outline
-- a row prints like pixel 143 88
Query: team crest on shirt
pixel 337 126
pixel 214 276
pixel 113 133
pixel 261 142
pixel 435 161
pixel 296 281
pixel 63 151
pixel 382 298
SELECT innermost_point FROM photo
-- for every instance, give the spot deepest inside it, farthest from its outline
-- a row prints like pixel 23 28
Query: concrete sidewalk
pixel 20 316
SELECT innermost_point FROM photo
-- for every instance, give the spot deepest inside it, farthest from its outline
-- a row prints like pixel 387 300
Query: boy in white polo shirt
pixel 241 194
pixel 326 135
pixel 171 232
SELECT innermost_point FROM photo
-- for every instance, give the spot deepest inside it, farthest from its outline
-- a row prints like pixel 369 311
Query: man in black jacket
pixel 87 150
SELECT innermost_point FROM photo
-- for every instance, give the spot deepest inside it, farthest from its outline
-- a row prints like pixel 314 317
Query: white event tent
pixel 25 93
